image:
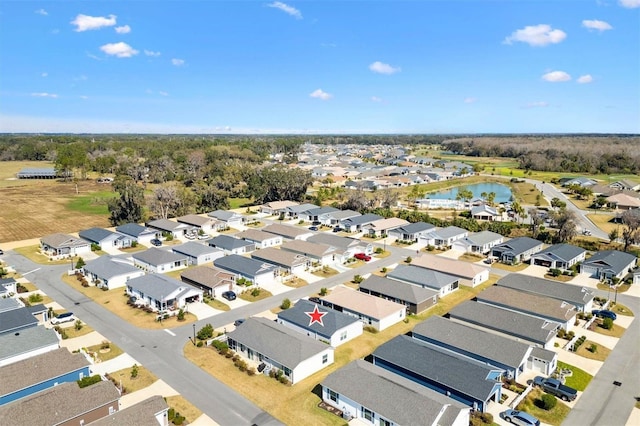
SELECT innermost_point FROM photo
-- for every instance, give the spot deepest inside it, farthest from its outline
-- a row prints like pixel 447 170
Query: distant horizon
pixel 484 134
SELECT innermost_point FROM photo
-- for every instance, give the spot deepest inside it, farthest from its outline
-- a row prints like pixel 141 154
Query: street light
pixel 194 334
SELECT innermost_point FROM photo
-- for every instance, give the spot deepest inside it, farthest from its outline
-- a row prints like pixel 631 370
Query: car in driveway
pixel 604 314
pixel 62 318
pixel 229 295
pixel 519 418
pixel 203 236
pixel 313 228
pixel 362 256
pixel 314 299
pixel 337 229
pixel 156 242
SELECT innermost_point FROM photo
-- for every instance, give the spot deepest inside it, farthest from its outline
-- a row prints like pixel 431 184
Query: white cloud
pixel 44 74
pixel 320 94
pixel 81 78
pixel 376 99
pixel 151 53
pixel 290 10
pixel 537 35
pixel 556 76
pixel 177 62
pixel 583 79
pixel 630 4
pixel 125 29
pixel 120 50
pixel 44 95
pixel 84 97
pixel 470 100
pixel 85 22
pixel 382 68
pixel 42 12
pixel 538 104
pixel 594 24
pixel 161 93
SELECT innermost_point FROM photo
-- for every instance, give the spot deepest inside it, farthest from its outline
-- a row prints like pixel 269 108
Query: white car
pixel 65 317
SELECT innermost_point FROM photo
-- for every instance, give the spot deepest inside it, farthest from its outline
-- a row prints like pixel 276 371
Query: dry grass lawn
pixel 145 378
pixel 246 295
pixel 561 278
pixel 603 221
pixel 295 282
pixel 511 268
pixel 615 331
pixel 33 254
pixel 473 258
pixel 71 331
pixel 600 354
pixel 216 304
pixel 184 407
pixel 106 354
pixel 620 309
pixel 325 272
pixel 554 416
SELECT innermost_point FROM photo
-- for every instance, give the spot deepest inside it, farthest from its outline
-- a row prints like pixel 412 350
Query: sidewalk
pixel 159 387
pixel 118 363
pixel 90 339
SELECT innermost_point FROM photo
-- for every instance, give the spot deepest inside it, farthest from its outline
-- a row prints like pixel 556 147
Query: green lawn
pixel 236 203
pixel 94 203
pixel 216 304
pixel 33 254
pixel 579 380
pixel 554 416
pixel 246 295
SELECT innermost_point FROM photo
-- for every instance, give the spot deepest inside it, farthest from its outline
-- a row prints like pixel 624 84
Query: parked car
pixel 316 223
pixel 337 229
pixel 605 314
pixel 203 236
pixel 62 318
pixel 314 300
pixel 190 236
pixel 156 242
pixel 238 322
pixel 229 295
pixel 555 387
pixel 313 228
pixel 519 418
pixel 1 252
pixel 586 232
pixel 362 256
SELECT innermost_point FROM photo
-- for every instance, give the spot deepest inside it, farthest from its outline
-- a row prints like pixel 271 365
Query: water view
pixel 503 192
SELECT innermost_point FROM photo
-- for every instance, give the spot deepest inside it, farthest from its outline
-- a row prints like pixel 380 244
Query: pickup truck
pixel 554 387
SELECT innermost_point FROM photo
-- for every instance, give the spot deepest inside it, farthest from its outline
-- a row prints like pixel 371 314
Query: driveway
pixel 201 310
pixel 535 271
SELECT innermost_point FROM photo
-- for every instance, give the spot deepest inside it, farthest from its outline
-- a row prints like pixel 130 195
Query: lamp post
pixel 194 334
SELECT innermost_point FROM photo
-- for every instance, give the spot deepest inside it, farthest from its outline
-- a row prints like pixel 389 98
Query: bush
pixel 370 329
pixel 171 414
pixel 251 371
pixel 35 298
pixel 357 279
pixel 205 332
pixel 219 345
pixel 379 250
pixel 178 420
pixel 593 348
pixel 408 259
pixel 430 247
pixel 548 401
pixel 200 344
pixel 555 272
pixel 181 315
pixel 105 344
pixel 607 323
pixel 286 304
pixel 255 292
pixel 95 247
pixel 561 333
pixel 78 325
pixel 89 380
pixel 323 291
pixel 384 270
pixel 134 371
pixel 134 244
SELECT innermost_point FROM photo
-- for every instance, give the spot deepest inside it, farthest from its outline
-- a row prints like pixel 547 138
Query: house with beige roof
pixel 373 311
pixel 277 207
pixel 260 238
pixel 288 232
pixel 60 246
pixel 383 226
pixel 623 202
pixel 201 223
pixel 323 254
pixel 470 274
pixel 289 262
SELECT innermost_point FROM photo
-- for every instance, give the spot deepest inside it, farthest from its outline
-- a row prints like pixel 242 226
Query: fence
pixel 520 397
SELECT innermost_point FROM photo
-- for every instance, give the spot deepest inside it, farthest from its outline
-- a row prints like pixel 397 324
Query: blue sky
pixel 472 66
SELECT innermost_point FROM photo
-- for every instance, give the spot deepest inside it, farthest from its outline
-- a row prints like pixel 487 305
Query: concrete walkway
pixel 201 310
pixel 203 420
pixel 90 339
pixel 116 364
pixel 158 387
pixel 589 365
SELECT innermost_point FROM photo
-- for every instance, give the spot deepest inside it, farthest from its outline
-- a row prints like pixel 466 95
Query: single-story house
pixel 151 411
pixel 16 320
pixel 105 238
pixel 10 303
pixel 295 212
pixel 515 325
pixel 322 254
pixel 445 237
pixel 440 282
pixel 37 373
pixel 482 345
pixel 8 287
pixel 276 207
pixel 580 181
pixel 580 297
pixel 470 274
pixel 636 277
pixel 261 239
pixel 209 280
pixel 157 260
pixel 230 219
pixel 197 253
pixel 361 390
pixel 288 262
pixel 608 264
pixel 625 185
pixel 356 223
pixel 623 202
pixel 59 246
pixel 416 299
pixel 516 250
pixel 559 256
pixel 466 380
pixel 259 273
pixel 381 227
pixel 166 226
pixel 162 293
pixel 347 246
pixel 111 272
pixel 280 348
pixel 231 245
pixel 371 310
pixel 288 232
pixel 313 215
pixel 412 231
pixel 543 307
pixel 336 327
pixel 478 243
pixel 334 218
pixel 201 223
pixel 484 212
pixel 27 343
pixel 138 233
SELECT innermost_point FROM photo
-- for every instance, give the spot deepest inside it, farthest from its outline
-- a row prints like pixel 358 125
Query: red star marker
pixel 316 316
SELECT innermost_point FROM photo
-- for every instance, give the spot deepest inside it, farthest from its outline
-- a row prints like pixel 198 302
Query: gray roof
pixel 468 340
pixel 60 403
pixel 141 414
pixel 193 249
pixel 156 256
pixel 449 370
pixel 195 220
pixel 167 225
pixel 519 325
pixel 110 266
pixel 256 235
pixel 279 257
pixel 397 289
pixel 223 215
pixel 565 252
pixel 301 208
pixel 286 231
pixel 449 232
pixel 337 241
pixel 63 240
pixel 613 260
pixel 520 301
pixel 321 210
pixel 422 276
pixel 96 235
pixel 483 237
pixel 39 368
pixel 573 294
pixel 308 248
pixel 243 265
pixel 227 242
pixel 16 319
pixel 414 228
pixel 158 286
pixel 518 245
pixel 361 220
pixel 542 353
pixel 134 230
pixel 392 396
pixel 332 321
pixel 9 303
pixel 276 341
pixel 342 214
pixel 26 340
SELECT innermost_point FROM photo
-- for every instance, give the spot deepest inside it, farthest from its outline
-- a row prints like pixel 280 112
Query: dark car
pixel 314 299
pixel 313 228
pixel 604 314
pixel 362 256
pixel 316 223
pixel 337 229
pixel 229 295
pixel 156 242
pixel 1 252
pixel 238 322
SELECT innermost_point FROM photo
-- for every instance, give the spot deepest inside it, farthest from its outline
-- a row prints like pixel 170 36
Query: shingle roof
pixel 255 235
pixel 195 220
pixel 26 340
pixel 278 205
pixel 371 306
pixel 543 353
pixel 158 286
pixel 361 220
pixel 243 265
pixel 39 368
pixel 332 321
pixel 155 256
pixel 167 225
pixel 16 319
pixel 276 341
pixel 321 210
pixel 518 245
pixel 453 371
pixel 134 230
pixel 226 242
pixel 207 276
pixel 109 266
pixel 469 340
pixel 286 231
pixel 279 257
pixel 308 248
pixel 141 414
pixel 421 276
pixel 96 234
pixel 342 243
pixel 454 267
pixel 449 232
pixel 526 302
pixel 565 252
pixel 386 224
pixel 392 396
pixel 342 214
pixel 413 228
pixel 483 237
pixel 193 249
pixel 301 208
pixel 224 215
pixel 62 240
pixel 611 259
pixel 8 304
pixel 573 294
pixel 397 289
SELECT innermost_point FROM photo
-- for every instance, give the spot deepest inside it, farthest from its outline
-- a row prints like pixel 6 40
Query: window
pixel 111 410
pixel 367 414
pixel 384 422
pixel 325 358
pixel 334 396
pixel 343 335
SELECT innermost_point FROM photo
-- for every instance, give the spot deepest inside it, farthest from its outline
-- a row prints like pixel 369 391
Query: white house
pixel 231 245
pixel 445 237
pixel 110 272
pixel 105 238
pixel 197 253
pixel 201 223
pixel 320 253
pixel 261 239
pixel 478 243
pixel 156 260
pixel 276 207
pixel 259 273
pixel 163 293
pixel 383 226
pixel 60 246
pixel 288 262
pixel 138 233
pixel 231 219
pixel 470 274
pixel 609 264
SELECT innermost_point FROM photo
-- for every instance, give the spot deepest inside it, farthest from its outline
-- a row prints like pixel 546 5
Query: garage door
pixel 541 262
pixel 536 365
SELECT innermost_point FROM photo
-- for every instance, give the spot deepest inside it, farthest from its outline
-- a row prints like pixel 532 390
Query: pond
pixel 503 192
